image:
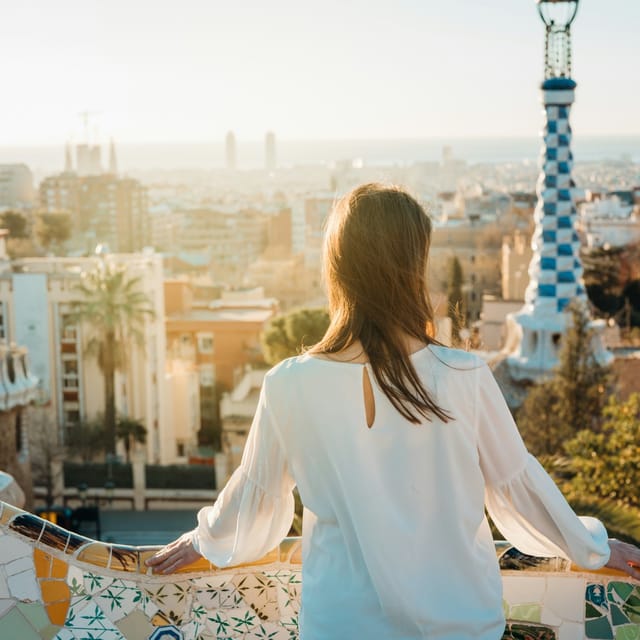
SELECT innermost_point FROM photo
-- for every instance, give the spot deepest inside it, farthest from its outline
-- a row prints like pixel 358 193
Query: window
pixel 205 342
pixel 180 449
pixel 207 375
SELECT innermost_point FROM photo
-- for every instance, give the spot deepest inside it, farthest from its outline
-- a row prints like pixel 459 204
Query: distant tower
pixel 113 161
pixel 230 148
pixel 555 271
pixel 270 151
pixel 68 161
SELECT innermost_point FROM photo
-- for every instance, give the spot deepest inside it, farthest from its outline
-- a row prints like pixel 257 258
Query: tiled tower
pixel 555 271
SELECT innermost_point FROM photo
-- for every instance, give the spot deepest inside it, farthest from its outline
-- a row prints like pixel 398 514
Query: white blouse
pixel 396 545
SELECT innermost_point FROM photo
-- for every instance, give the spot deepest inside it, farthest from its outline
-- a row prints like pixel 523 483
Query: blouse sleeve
pixel 522 500
pixel 255 509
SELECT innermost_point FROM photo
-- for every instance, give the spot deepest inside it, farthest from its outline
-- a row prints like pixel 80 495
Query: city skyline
pixel 193 71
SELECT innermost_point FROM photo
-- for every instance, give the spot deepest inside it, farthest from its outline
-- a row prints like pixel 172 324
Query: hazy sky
pixel 189 70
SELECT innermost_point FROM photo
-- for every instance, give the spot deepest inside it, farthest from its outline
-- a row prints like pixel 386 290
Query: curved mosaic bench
pixel 56 584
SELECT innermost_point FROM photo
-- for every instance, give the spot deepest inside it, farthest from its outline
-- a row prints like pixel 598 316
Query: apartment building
pixel 36 303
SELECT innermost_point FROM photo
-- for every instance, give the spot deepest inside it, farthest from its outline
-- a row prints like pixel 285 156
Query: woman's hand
pixel 175 555
pixel 624 557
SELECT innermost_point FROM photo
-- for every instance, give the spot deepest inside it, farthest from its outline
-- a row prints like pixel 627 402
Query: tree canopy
pixel 16 222
pixel 53 229
pixel 289 334
pixel 606 463
pixel 573 398
pixel 112 307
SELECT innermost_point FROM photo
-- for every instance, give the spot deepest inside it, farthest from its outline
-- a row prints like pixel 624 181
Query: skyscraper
pixel 270 151
pixel 231 151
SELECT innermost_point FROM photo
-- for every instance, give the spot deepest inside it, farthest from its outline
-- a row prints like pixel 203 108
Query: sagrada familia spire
pixel 555 272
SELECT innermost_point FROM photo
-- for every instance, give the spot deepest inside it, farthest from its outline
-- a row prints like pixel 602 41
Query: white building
pixel 16 186
pixel 609 222
pixel 36 301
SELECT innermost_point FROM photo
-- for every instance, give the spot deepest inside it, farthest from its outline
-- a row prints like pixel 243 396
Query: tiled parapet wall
pixel 55 584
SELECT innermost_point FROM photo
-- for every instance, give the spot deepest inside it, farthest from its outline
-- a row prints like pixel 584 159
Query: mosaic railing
pixel 59 585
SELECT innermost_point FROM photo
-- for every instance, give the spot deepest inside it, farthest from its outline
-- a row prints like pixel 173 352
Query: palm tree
pixel 129 431
pixel 113 309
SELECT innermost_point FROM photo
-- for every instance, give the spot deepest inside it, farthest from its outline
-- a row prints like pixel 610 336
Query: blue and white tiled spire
pixel 555 271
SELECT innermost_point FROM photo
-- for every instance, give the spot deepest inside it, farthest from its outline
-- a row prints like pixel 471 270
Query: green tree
pixel 573 399
pixel 288 334
pixel 606 463
pixel 16 223
pixel 86 439
pixel 130 431
pixel 113 309
pixel 455 299
pixel 53 229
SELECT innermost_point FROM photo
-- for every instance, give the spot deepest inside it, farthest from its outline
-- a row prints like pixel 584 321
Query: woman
pixel 395 444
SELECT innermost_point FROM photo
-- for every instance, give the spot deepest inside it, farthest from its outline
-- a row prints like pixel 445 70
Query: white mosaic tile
pixel 518 589
pixel 571 631
pixel 89 621
pixel 565 598
pixel 24 586
pixel 4 587
pixel 75 580
pixel 64 634
pixel 12 548
pixel 95 582
pixel 18 566
pixel 118 599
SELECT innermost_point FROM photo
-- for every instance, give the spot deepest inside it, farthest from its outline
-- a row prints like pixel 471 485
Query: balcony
pixel 56 584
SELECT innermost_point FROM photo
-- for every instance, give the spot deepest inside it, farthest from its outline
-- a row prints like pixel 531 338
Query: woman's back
pixel 388 505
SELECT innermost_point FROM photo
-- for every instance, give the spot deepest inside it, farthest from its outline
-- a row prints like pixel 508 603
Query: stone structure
pixel 555 271
pixel 56 584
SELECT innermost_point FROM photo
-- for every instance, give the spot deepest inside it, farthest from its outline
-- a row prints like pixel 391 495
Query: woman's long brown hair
pixel 375 260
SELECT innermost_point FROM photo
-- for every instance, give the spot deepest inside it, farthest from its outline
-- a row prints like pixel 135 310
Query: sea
pixel 250 154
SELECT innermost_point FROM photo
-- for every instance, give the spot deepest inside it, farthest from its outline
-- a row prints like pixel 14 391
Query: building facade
pixel 36 302
pixel 104 209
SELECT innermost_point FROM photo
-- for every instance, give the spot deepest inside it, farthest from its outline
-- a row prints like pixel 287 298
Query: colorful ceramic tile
pixel 169 632
pixel 171 598
pixel 75 580
pixel 8 512
pixel 15 626
pixel 268 631
pixel 86 619
pixel 97 554
pixel 124 558
pixel 119 599
pixel 11 547
pixel 259 592
pixel 95 582
pixel 24 586
pixel 216 591
pixel 517 631
pixel 6 604
pixel 35 614
pixel 135 626
pixel 28 525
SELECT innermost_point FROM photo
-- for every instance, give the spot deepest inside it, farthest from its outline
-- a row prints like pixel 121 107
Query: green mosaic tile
pixel 15 625
pixel 598 629
pixel 35 613
pixel 528 612
pixel 628 633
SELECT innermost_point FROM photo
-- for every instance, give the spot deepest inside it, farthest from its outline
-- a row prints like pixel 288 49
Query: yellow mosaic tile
pixel 57 612
pixel 59 568
pixel 124 558
pixel 159 619
pixel 54 590
pixel 42 561
pixel 96 553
